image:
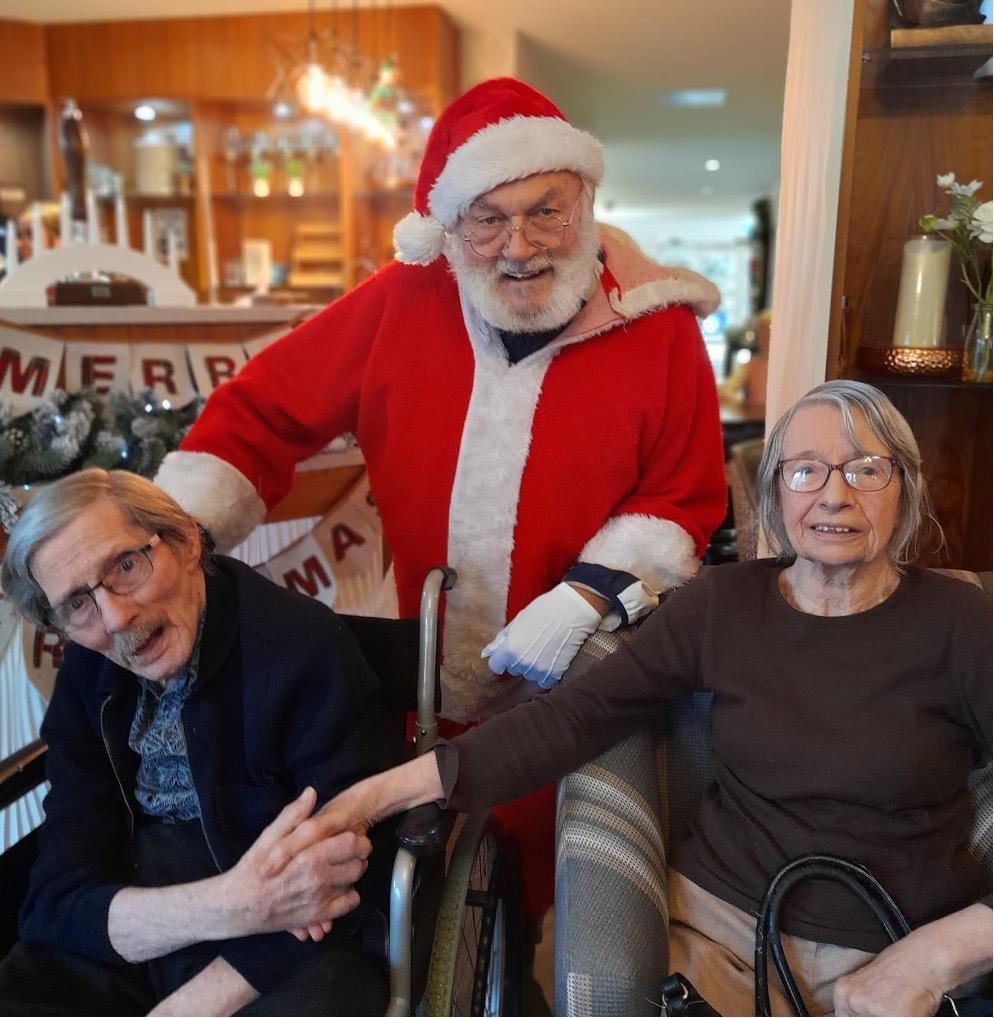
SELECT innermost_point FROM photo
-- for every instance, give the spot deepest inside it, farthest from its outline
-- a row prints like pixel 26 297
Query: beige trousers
pixel 712 944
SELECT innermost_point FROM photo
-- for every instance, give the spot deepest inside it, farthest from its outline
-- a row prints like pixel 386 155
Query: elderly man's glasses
pixel 864 473
pixel 129 571
pixel 489 235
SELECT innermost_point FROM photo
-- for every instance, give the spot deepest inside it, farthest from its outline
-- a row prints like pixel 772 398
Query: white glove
pixel 541 640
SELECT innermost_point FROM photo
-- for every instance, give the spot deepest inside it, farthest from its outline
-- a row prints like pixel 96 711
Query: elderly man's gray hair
pixel 53 506
pixel 887 424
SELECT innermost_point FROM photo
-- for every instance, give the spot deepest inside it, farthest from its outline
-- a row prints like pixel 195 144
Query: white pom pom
pixel 418 239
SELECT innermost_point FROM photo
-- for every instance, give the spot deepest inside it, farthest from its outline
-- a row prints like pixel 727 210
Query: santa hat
pixel 500 130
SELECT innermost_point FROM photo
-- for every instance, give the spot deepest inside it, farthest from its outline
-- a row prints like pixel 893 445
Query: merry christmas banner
pixel 31 363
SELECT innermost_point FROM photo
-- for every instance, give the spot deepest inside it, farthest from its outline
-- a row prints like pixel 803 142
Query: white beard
pixel 575 277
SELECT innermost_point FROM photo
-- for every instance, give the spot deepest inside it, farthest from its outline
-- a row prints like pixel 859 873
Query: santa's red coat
pixel 602 447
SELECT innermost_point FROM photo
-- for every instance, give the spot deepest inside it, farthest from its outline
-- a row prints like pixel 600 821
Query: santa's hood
pixel 632 284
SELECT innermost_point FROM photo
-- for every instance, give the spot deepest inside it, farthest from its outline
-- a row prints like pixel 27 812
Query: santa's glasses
pixel 489 233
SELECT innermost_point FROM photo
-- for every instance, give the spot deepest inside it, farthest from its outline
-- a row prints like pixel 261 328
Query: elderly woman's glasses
pixel 489 235
pixel 864 473
pixel 128 572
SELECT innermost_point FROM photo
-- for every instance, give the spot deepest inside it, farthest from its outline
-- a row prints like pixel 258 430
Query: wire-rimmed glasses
pixel 488 235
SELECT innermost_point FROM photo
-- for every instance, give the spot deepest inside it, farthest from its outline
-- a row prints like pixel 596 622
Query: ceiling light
pixel 694 97
pixel 711 165
pixel 282 110
pixel 145 112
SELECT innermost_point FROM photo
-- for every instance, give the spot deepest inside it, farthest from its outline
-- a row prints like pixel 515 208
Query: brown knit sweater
pixel 849 735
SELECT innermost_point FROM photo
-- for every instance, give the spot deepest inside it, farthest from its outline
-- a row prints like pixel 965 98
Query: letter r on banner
pixel 158 372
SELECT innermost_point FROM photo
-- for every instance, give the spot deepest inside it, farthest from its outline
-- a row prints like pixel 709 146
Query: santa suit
pixel 602 447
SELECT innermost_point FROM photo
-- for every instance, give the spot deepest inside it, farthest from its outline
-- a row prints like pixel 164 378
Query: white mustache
pixel 126 644
pixel 536 263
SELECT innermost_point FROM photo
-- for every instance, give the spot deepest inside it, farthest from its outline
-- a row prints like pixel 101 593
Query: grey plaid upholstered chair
pixel 615 818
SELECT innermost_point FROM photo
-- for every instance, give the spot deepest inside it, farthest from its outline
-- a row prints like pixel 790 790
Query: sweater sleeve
pixel 552 734
pixel 660 529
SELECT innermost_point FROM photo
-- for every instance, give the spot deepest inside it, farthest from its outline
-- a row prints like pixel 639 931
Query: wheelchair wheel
pixel 475 964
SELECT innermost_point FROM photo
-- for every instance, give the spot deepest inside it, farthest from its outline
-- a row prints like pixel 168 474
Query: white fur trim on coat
pixel 213 492
pixel 483 512
pixel 417 239
pixel 657 551
pixel 510 150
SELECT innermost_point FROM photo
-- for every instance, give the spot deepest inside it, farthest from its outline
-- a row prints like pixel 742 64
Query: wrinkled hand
pixel 314 885
pixel 899 980
pixel 541 640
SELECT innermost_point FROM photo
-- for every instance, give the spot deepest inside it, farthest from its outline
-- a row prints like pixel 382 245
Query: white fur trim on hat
pixel 418 239
pixel 214 493
pixel 509 150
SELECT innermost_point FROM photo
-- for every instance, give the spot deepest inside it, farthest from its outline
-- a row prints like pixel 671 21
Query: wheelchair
pixel 452 942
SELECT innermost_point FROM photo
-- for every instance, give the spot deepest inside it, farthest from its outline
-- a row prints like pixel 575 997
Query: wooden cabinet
pixel 250 167
pixel 912 113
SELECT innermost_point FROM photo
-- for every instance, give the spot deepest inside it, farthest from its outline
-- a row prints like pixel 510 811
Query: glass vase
pixel 977 345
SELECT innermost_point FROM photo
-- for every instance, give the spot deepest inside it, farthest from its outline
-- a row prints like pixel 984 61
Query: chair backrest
pixel 741 468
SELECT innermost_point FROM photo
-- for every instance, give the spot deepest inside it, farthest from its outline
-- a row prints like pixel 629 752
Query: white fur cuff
pixel 657 551
pixel 215 493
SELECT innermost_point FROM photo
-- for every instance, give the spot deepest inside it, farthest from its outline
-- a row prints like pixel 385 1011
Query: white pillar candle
pixel 37 233
pixel 92 218
pixel 921 301
pixel 65 218
pixel 120 221
pixel 172 252
pixel 148 233
pixel 10 251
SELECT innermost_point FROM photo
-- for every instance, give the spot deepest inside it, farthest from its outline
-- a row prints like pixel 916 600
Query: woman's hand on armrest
pixel 910 977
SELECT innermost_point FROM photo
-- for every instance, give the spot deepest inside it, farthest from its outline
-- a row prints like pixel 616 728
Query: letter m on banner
pixel 303 567
pixel 29 368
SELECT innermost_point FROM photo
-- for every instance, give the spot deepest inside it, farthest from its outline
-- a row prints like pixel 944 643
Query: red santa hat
pixel 500 130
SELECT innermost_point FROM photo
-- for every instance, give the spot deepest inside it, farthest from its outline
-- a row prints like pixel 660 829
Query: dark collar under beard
pixel 575 277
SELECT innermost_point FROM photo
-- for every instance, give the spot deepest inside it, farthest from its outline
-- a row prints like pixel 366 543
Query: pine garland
pixel 72 432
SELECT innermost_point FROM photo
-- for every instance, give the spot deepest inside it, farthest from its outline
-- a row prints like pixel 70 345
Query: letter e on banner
pixel 103 367
pixel 303 567
pixel 42 656
pixel 29 368
pixel 214 363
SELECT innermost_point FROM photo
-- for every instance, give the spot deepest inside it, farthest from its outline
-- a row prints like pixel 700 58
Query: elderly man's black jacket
pixel 283 699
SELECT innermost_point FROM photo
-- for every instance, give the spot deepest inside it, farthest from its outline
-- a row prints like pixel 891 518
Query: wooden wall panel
pixel 22 57
pixel 232 57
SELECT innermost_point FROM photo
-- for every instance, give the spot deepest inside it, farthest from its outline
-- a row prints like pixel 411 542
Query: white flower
pixel 946 179
pixel 966 190
pixel 981 225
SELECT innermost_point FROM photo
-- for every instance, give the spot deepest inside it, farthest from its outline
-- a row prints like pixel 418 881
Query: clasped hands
pixel 298 876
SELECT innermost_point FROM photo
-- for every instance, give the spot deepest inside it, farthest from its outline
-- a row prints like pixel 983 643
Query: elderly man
pixel 536 408
pixel 199 715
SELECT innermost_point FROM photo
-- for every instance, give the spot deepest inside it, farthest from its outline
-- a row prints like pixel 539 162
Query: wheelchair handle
pixel 426 731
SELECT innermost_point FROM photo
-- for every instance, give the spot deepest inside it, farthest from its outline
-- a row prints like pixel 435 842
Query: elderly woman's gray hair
pixel 56 504
pixel 887 424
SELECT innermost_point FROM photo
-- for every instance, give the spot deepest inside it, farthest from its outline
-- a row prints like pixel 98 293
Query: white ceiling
pixel 605 64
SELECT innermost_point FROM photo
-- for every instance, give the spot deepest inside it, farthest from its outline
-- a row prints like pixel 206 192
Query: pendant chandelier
pixel 333 79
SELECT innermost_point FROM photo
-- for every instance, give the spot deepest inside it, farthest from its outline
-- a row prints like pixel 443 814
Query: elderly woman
pixel 852 697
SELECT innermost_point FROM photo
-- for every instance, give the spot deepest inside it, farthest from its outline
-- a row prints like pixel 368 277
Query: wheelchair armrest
pixel 425 829
pixel 22 771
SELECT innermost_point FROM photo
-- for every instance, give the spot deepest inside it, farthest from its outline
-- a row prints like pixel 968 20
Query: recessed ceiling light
pixel 711 165
pixel 145 112
pixel 693 97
